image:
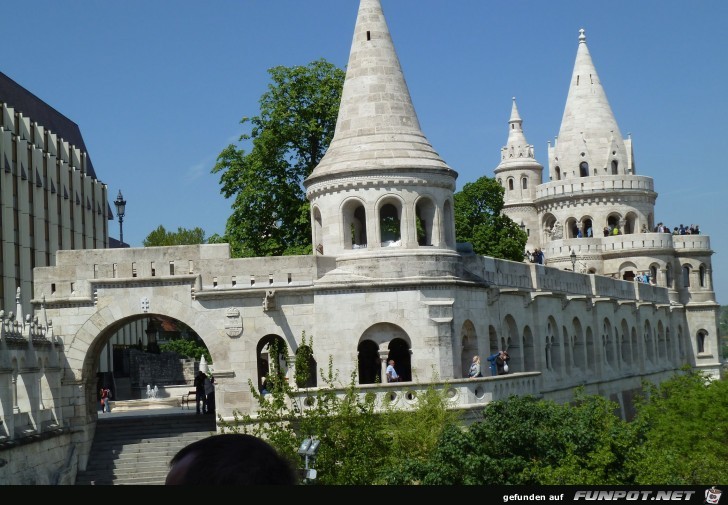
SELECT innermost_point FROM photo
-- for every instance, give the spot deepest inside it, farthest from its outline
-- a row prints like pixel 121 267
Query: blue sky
pixel 158 88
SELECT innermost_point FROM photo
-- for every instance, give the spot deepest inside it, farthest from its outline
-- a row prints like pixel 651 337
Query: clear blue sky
pixel 158 88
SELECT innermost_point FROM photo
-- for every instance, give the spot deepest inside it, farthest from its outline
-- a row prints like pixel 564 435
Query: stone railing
pixel 462 394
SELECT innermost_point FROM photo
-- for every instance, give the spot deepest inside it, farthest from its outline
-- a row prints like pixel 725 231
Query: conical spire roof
pixel 517 149
pixel 588 127
pixel 377 127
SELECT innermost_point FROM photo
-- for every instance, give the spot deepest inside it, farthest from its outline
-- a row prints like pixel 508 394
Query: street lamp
pixel 120 211
pixel 573 260
pixel 308 449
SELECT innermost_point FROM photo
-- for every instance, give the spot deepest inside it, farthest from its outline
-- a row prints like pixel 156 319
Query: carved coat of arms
pixel 233 323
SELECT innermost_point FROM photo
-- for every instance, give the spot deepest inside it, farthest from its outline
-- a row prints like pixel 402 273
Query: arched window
pixel 510 184
pixel 558 173
pixel 701 342
pixel 524 183
pixel 701 276
pixel 686 276
pixel 584 169
pixel 615 166
pixel 389 222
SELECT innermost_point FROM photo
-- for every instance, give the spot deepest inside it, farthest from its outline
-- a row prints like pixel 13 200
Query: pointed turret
pixel 520 174
pixel 589 141
pixel 380 189
pixel 377 127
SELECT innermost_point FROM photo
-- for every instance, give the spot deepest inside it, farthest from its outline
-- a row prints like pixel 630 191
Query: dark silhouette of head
pixel 230 459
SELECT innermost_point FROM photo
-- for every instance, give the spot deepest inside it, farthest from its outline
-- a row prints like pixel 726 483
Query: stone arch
pixel 266 359
pixel 572 229
pixel 493 345
pixel 389 220
pixel 583 169
pixel 625 346
pixel 579 345
pixel 369 363
pixel 311 380
pixel 566 342
pixel 513 343
pixel 649 344
pixel 548 222
pixel 702 282
pixel 392 343
pixel 662 353
pixel 353 224
pixel 448 224
pixel 627 270
pixel 701 341
pixel 425 221
pixel 469 346
pixel 613 220
pixel 607 343
pixel 591 356
pixel 553 349
pixel 686 275
pixel 317 229
pixel 91 337
pixel 587 226
pixel 529 350
pixel 630 223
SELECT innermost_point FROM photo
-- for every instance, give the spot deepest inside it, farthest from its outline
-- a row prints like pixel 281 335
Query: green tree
pixel 684 424
pixel 526 440
pixel 360 442
pixel 187 348
pixel 183 236
pixel 478 220
pixel 290 136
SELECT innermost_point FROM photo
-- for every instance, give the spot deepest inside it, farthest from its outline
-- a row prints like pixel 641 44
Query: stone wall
pixel 162 369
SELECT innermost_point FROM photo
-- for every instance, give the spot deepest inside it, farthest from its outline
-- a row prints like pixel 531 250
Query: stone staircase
pixel 135 449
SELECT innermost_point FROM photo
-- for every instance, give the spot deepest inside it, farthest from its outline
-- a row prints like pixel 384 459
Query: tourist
pixel 105 399
pixel 200 398
pixel 234 459
pixel 501 362
pixel 493 366
pixel 475 368
pixel 210 393
pixel 392 375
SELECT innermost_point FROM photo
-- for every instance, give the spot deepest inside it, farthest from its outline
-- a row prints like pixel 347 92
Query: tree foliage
pixel 684 425
pixel 290 136
pixel 187 348
pixel 183 236
pixel 359 441
pixel 478 220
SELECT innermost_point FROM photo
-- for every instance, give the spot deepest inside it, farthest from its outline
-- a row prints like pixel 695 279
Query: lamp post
pixel 573 260
pixel 120 211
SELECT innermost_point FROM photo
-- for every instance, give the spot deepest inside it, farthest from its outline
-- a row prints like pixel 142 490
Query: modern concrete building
pixel 387 280
pixel 50 195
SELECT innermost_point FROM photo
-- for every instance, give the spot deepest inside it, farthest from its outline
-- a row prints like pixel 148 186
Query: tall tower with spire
pixel 520 174
pixel 381 188
pixel 594 214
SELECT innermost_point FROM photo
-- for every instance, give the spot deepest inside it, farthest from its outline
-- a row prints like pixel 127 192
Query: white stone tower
pixel 591 167
pixel 520 174
pixel 380 189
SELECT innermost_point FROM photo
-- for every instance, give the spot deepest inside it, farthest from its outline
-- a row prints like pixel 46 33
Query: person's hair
pixel 231 459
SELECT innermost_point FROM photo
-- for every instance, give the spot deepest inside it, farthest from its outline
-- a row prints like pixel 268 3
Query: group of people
pixel 498 365
pixel 536 256
pixel 693 229
pixel 204 393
